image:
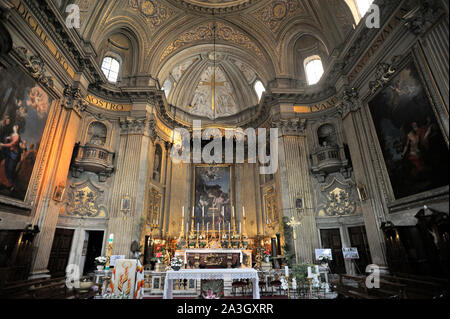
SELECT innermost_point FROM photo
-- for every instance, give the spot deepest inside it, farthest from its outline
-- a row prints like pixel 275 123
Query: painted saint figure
pixel 12 155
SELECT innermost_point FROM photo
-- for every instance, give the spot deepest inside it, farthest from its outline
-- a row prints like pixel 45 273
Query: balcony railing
pixel 93 158
pixel 328 159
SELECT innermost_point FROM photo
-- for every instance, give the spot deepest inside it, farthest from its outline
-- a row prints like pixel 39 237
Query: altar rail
pixel 270 285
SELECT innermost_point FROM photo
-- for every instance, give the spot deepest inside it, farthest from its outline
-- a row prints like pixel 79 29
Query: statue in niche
pixel 97 133
pixel 157 163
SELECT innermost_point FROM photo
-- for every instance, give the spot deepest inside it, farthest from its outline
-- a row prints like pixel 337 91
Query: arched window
pixel 314 69
pixel 363 6
pixel 167 87
pixel 259 89
pixel 111 68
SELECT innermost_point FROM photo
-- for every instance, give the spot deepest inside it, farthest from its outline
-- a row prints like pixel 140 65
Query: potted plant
pixel 100 262
pixel 266 255
pixel 176 263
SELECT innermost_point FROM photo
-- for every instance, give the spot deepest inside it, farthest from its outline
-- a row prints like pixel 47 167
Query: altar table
pixel 211 274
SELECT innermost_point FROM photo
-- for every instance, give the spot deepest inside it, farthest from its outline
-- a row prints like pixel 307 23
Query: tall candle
pixel 193 212
pixel 207 227
pixel 243 211
pixel 240 227
pixel 233 211
pixel 183 212
pixel 286 271
pixel 219 227
pixel 203 211
pixel 198 227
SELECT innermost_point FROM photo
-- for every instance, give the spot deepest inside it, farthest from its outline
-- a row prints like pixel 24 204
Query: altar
pixel 215 258
pixel 211 274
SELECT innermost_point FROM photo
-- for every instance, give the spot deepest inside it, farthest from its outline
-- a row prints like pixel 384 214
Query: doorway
pixel 331 239
pixel 358 239
pixel 92 250
pixel 59 256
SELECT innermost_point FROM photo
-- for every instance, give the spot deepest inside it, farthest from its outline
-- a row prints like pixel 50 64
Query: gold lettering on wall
pixel 107 105
pixel 31 21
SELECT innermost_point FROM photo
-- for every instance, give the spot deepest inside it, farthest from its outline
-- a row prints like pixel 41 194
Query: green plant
pixel 288 250
pixel 301 273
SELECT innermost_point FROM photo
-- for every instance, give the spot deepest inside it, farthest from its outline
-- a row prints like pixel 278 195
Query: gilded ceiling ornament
pixel 205 33
pixel 153 10
pixel 276 12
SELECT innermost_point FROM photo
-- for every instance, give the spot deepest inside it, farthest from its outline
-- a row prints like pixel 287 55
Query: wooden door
pixel 331 238
pixel 59 256
pixel 358 239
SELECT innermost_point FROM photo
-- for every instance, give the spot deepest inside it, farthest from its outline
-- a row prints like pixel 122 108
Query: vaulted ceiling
pixel 172 40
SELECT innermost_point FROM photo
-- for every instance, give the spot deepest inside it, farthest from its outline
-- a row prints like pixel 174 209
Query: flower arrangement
pixel 176 263
pixel 159 254
pixel 100 261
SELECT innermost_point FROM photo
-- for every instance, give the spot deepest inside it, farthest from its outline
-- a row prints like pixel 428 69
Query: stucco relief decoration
pixel 338 199
pixel 276 12
pixel 154 11
pixel 206 33
pixel 85 200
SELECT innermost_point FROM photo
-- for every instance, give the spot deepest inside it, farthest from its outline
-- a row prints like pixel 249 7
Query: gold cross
pixel 213 85
pixel 293 223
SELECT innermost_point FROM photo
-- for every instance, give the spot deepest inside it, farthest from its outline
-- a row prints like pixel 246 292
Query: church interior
pixel 220 149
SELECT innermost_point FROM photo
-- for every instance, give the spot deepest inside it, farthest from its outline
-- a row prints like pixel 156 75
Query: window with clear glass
pixel 314 70
pixel 363 6
pixel 167 87
pixel 259 89
pixel 110 68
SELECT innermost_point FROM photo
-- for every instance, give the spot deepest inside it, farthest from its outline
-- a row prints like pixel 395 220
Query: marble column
pixel 295 183
pixel 355 131
pixel 130 181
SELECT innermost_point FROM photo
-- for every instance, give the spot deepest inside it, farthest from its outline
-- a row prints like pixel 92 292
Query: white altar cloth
pixel 211 274
pixel 212 251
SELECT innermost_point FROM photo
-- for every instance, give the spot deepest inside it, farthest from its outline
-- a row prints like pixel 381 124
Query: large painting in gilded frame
pixel 24 110
pixel 213 192
pixel 411 141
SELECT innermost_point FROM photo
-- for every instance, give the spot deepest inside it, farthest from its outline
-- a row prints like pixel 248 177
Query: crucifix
pixel 294 223
pixel 214 208
pixel 213 85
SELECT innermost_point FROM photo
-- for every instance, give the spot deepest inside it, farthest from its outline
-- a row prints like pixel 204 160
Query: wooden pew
pixel 44 289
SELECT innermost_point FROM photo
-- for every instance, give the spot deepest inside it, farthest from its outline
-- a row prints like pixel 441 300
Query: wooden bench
pixel 44 289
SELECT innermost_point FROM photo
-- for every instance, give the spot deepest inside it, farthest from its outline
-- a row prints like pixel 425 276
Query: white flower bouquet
pixel 100 261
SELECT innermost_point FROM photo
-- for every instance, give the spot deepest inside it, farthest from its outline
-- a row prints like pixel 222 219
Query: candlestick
pixel 109 251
